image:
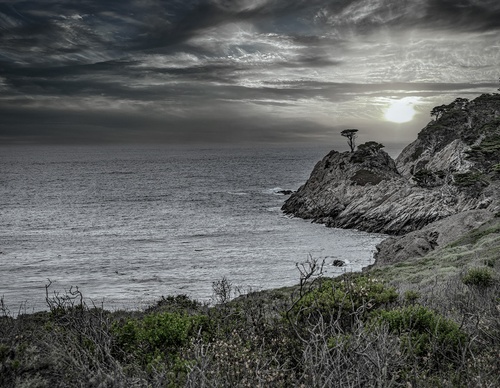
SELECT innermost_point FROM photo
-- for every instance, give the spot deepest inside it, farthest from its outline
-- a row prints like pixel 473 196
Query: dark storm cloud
pixel 465 14
pixel 462 15
pixel 181 69
pixel 158 23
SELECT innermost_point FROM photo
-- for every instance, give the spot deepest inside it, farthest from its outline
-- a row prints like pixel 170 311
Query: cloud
pixel 465 15
pixel 64 32
pixel 191 69
pixel 462 15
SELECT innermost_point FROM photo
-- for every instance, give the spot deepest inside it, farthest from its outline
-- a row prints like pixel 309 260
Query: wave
pixel 278 191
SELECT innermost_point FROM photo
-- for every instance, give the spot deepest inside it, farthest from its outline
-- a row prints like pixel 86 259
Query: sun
pixel 401 111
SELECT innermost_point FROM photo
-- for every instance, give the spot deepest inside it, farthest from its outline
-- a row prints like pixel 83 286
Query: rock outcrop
pixel 452 167
pixel 396 249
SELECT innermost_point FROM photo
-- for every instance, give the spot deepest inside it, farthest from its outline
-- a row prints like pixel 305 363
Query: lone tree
pixel 351 137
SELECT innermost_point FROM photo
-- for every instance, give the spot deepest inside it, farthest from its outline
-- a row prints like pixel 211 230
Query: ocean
pixel 128 224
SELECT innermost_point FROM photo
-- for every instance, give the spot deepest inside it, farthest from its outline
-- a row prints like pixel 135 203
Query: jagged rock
pixel 371 195
pixel 285 192
pixel 452 167
pixel 338 263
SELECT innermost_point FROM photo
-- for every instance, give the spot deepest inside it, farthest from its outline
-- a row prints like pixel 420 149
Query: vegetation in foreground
pixel 384 328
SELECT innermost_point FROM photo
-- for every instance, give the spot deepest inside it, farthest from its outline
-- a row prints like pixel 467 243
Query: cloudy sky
pixel 238 70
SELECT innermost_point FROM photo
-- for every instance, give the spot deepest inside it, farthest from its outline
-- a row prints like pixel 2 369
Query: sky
pixel 238 71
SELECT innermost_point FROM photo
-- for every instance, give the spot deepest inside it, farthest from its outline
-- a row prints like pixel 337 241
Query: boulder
pixel 285 192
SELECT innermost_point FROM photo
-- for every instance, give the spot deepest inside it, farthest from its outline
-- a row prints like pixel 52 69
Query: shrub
pixel 238 362
pixel 342 298
pixel 370 147
pixel 478 277
pixel 179 303
pixel 411 296
pixel 417 153
pixel 157 336
pixel 365 151
pixel 425 333
pixel 428 178
pixel 490 144
pixel 222 290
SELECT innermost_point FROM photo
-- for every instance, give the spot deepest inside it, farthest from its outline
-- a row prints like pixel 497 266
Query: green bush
pixel 178 303
pixel 365 151
pixel 343 297
pixel 4 352
pixel 370 146
pixel 490 144
pixel 157 336
pixel 425 333
pixel 411 296
pixel 478 277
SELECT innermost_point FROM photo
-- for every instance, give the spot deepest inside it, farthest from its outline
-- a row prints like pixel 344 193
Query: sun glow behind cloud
pixel 401 111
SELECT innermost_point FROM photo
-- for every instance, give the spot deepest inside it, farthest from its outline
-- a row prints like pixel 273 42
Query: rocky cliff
pixel 452 167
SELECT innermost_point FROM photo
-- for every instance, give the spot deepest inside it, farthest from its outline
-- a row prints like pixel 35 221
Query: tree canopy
pixel 351 135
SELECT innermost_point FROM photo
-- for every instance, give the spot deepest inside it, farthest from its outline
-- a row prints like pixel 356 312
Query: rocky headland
pixel 444 183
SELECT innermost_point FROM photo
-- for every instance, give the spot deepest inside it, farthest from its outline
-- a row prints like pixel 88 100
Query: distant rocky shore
pixel 447 181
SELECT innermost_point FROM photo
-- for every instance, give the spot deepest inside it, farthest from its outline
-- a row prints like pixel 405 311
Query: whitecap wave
pixel 278 191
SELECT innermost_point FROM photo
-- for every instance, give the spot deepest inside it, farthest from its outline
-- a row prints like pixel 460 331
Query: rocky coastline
pixel 444 183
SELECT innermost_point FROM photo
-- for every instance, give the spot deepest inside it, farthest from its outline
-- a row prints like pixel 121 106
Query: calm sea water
pixel 127 224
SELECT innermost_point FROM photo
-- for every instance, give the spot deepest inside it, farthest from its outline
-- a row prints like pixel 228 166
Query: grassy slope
pixel 478 248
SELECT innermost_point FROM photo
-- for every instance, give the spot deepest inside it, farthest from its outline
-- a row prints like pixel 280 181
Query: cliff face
pixel 465 136
pixel 452 167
